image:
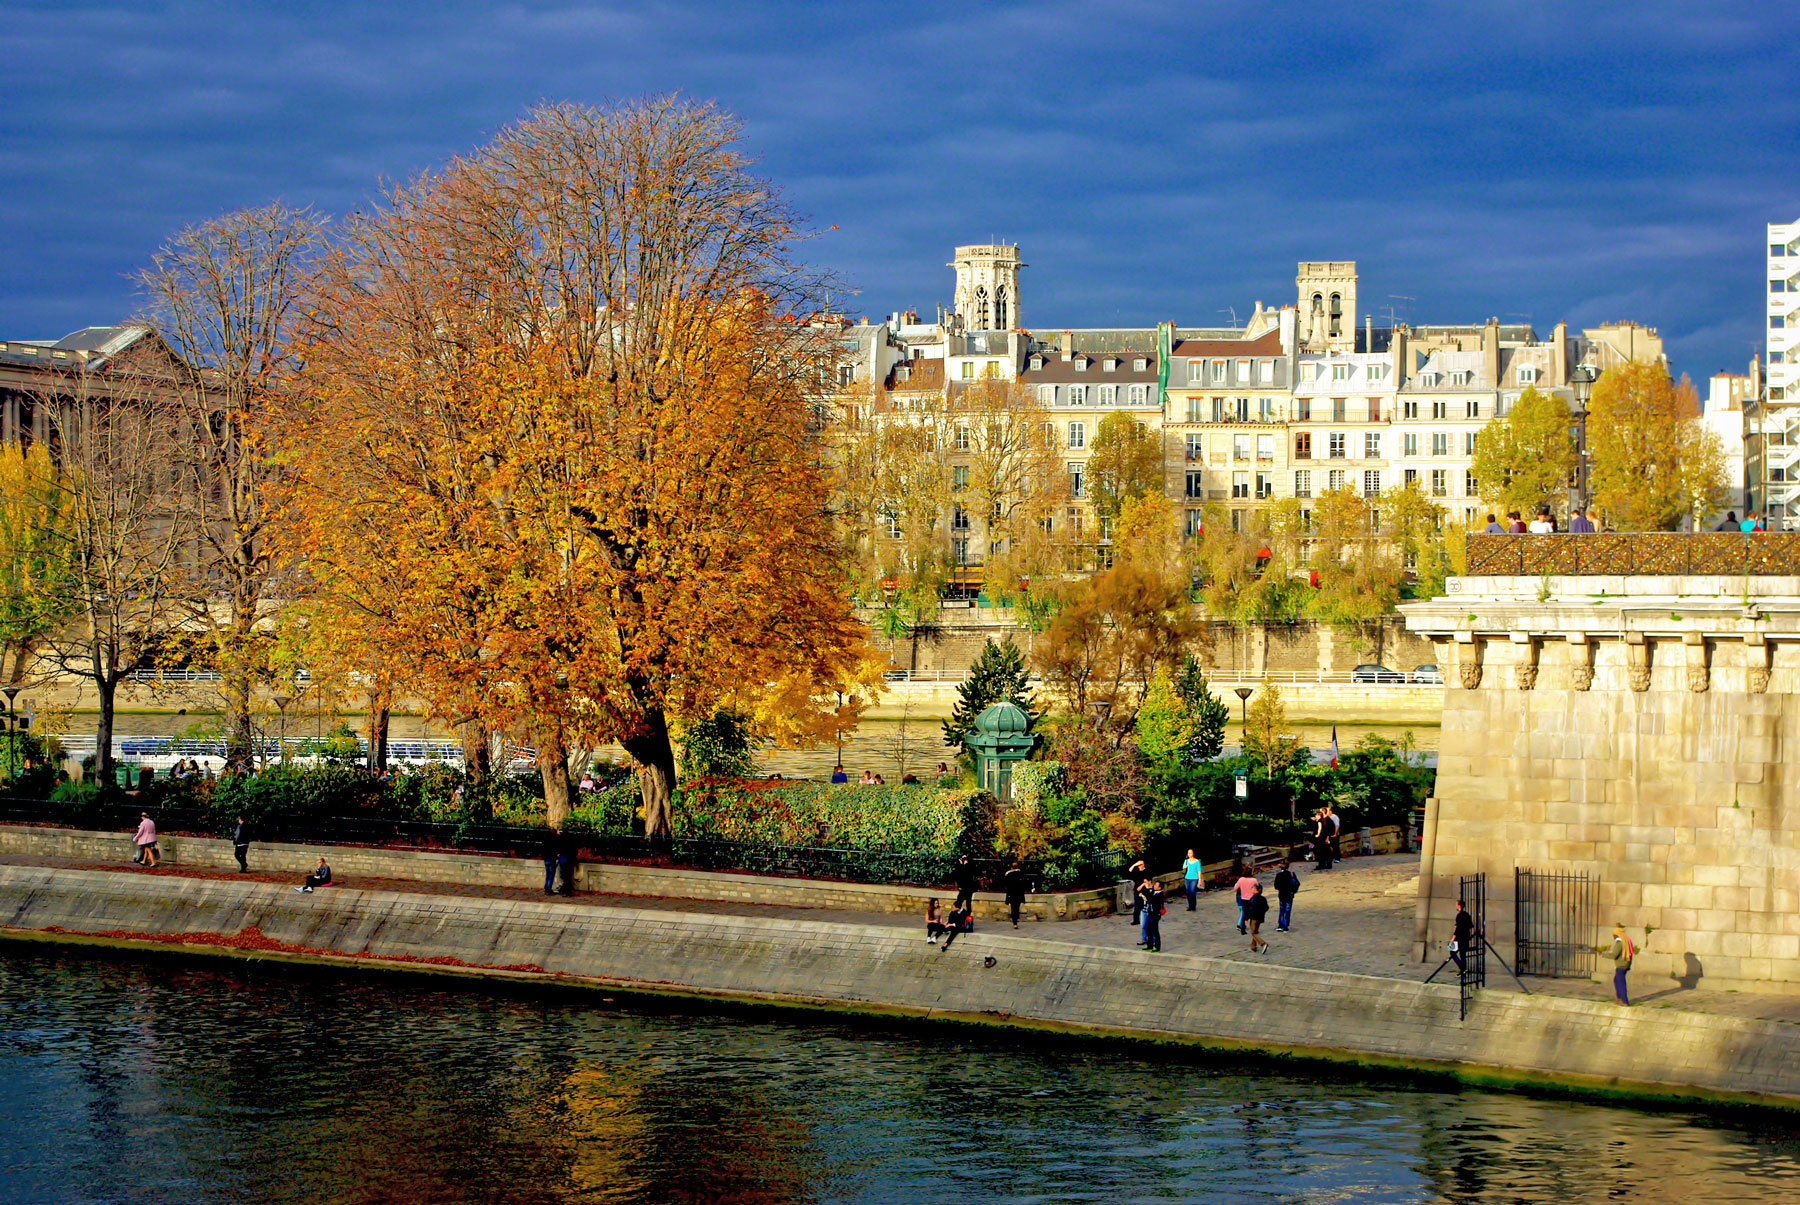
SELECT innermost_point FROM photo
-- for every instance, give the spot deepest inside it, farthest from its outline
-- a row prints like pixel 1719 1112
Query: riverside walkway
pixel 1356 918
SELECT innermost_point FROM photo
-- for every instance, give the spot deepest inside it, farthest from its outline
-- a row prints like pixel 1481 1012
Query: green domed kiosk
pixel 1001 736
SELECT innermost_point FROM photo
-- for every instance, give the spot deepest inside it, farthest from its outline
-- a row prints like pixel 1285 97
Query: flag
pixel 1334 746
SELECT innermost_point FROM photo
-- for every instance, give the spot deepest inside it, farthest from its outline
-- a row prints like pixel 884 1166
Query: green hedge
pixel 891 819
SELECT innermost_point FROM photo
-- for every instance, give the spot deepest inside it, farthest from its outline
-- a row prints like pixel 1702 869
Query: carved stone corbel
pixel 1637 661
pixel 1581 661
pixel 1468 660
pixel 1694 649
pixel 1525 669
pixel 1757 656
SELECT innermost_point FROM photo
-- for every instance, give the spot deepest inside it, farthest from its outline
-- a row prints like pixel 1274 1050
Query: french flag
pixel 1334 746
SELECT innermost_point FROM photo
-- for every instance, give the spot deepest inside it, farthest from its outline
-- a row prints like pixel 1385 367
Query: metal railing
pixel 1554 923
pixel 1658 553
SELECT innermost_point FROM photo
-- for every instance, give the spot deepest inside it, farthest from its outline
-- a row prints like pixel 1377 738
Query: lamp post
pixel 12 727
pixel 1582 378
pixel 1243 693
pixel 281 702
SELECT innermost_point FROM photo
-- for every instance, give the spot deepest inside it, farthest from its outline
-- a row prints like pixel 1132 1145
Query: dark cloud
pixel 1587 161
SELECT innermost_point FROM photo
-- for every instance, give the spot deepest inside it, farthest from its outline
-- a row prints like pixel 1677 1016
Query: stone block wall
pixel 1652 741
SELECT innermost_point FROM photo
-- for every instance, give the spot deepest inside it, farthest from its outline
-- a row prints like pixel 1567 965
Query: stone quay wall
pixel 992 978
pixel 1643 730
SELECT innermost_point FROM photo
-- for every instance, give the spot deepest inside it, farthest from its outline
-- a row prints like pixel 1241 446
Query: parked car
pixel 895 675
pixel 1376 673
pixel 1429 674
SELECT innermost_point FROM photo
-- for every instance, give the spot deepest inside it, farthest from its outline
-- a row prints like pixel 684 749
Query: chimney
pixel 1559 354
pixel 1490 352
pixel 1066 341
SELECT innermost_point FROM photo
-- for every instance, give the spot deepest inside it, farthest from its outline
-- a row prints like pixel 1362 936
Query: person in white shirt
pixel 1541 525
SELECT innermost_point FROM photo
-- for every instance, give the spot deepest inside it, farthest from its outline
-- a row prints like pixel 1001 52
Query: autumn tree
pixel 119 525
pixel 1652 458
pixel 33 555
pixel 225 296
pixel 1164 726
pixel 1268 740
pixel 1359 574
pixel 1124 462
pixel 1526 459
pixel 1005 472
pixel 553 437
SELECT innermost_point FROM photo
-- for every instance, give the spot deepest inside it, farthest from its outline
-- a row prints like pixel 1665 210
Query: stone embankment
pixel 997 978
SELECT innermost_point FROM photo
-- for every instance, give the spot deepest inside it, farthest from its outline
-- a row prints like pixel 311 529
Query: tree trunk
pixel 655 756
pixel 378 738
pixel 105 687
pixel 553 766
pixel 478 756
pixel 240 737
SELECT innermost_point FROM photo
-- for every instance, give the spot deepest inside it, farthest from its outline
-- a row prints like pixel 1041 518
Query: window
pixel 1196 483
pixel 1243 410
pixel 1303 446
pixel 1195 368
pixel 1078 395
pixel 1240 485
pixel 1302 409
pixel 1105 529
pixel 1265 447
pixel 1440 409
pixel 1777 250
pixel 1196 409
pixel 1243 372
pixel 1334 480
pixel 1037 362
pixel 1371 482
pixel 968 370
pixel 1337 445
pixel 1309 372
pixel 1195 446
pixel 1048 523
pixel 846 374
pixel 1470 489
pixel 1109 395
pixel 1196 522
pixel 1108 364
pixel 1078 435
pixel 962 439
pixel 1139 364
pixel 1774 322
pixel 1046 395
pixel 1410 477
pixel 1472 409
pixel 1303 483
pixel 1374 372
pixel 1411 408
pixel 1337 409
pixel 1075 518
pixel 959 477
pixel 1374 409
pixel 991 368
pixel 1371 445
pixel 1049 435
pixel 1409 444
pixel 1218 371
pixel 1469 443
pixel 1075 479
pixel 1440 483
pixel 1462 376
pixel 1265 409
pixel 1340 372
pixel 1237 521
pixel 1777 286
pixel 959 518
pixel 1265 372
pixel 1528 374
pixel 1240 447
pixel 1440 443
pixel 1137 394
pixel 1265 485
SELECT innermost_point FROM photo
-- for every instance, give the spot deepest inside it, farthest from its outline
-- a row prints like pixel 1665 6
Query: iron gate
pixel 1553 923
pixel 1473 972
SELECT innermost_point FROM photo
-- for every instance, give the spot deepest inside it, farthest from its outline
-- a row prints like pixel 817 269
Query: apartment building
pixel 1340 429
pixel 1772 418
pixel 1228 396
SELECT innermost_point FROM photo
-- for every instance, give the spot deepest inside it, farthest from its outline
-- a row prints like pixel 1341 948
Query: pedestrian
pixel 1729 522
pixel 1493 527
pixel 1137 872
pixel 1321 840
pixel 1335 836
pixel 1013 883
pixel 1154 901
pixel 1540 524
pixel 838 775
pixel 1190 879
pixel 1621 953
pixel 956 923
pixel 1751 522
pixel 145 840
pixel 552 854
pixel 566 857
pixel 318 877
pixel 934 921
pixel 240 845
pixel 1463 936
pixel 1579 523
pixel 967 881
pixel 1245 889
pixel 1257 911
pixel 1515 525
pixel 1287 884
pixel 867 779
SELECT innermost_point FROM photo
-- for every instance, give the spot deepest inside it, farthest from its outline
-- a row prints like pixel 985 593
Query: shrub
pixel 893 819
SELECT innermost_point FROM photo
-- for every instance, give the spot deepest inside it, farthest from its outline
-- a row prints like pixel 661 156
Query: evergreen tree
pixel 1165 726
pixel 998 675
pixel 1207 710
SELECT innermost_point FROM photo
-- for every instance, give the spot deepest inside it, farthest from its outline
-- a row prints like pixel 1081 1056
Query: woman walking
pixel 145 840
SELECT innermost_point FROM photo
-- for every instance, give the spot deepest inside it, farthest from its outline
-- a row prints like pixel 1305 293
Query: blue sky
pixel 1585 161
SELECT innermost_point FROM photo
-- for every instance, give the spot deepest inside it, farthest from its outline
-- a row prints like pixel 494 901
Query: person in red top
pixel 1246 888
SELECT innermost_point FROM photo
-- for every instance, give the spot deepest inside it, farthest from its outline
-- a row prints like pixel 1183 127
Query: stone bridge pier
pixel 1641 727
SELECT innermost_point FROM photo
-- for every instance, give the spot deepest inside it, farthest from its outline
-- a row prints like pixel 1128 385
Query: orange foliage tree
pixel 551 458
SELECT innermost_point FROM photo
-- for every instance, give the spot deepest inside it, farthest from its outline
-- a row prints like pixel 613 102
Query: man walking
pixel 1013 883
pixel 552 854
pixel 1153 910
pixel 1256 911
pixel 966 882
pixel 1245 889
pixel 1190 879
pixel 1465 933
pixel 240 845
pixel 1286 884
pixel 1621 953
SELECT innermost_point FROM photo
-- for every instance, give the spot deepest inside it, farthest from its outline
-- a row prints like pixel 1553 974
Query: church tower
pixel 1327 306
pixel 987 286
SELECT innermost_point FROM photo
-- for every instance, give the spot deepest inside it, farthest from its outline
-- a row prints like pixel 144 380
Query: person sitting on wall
pixel 318 877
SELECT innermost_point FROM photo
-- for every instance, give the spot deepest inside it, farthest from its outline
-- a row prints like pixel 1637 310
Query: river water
pixel 127 1081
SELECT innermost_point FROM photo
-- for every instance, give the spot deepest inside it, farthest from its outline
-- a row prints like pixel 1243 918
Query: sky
pixel 1536 162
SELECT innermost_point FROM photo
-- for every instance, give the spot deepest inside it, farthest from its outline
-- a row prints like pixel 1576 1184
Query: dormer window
pixel 1080 363
pixel 1528 375
pixel 1376 371
pixel 1110 364
pixel 1340 372
pixel 1429 379
pixel 902 373
pixel 1139 364
pixel 1462 377
pixel 1037 362
pixel 1309 372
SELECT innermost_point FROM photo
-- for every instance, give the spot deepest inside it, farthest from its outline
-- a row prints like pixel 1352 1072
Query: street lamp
pixel 12 727
pixel 282 701
pixel 1243 693
pixel 1582 378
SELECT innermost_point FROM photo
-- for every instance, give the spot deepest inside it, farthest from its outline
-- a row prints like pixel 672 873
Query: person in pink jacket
pixel 145 839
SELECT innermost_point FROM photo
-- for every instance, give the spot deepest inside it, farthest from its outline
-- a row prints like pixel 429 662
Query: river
pixel 162 1081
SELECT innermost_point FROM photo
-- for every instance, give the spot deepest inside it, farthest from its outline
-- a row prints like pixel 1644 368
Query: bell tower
pixel 987 286
pixel 1327 306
